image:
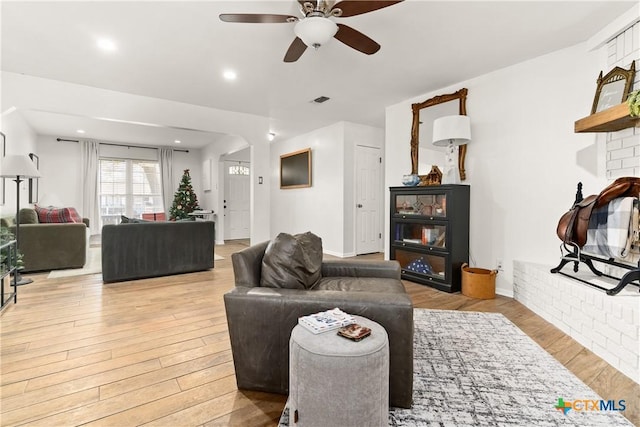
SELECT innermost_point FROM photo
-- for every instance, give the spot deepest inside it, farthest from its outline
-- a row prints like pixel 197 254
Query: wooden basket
pixel 478 282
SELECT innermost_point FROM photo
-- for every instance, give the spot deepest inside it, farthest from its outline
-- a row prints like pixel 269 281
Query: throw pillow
pixel 28 216
pixel 75 215
pixel 127 220
pixel 292 262
pixel 57 215
pixel 138 220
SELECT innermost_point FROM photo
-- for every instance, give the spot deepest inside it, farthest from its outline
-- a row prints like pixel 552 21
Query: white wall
pixel 327 208
pixel 20 139
pixel 523 161
pixel 60 167
pixel 319 208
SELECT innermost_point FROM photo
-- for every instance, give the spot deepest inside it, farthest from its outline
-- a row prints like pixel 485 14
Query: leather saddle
pixel 573 225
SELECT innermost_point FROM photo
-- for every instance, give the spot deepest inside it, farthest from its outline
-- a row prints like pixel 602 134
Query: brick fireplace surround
pixel 606 325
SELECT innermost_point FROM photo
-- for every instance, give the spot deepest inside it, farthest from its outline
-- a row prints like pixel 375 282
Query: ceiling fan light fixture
pixel 315 31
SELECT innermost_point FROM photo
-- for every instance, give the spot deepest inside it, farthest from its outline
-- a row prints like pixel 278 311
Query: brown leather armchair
pixel 261 319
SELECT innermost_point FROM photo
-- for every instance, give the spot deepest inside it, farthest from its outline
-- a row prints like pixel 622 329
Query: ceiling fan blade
pixel 358 7
pixel 295 51
pixel 256 18
pixel 356 40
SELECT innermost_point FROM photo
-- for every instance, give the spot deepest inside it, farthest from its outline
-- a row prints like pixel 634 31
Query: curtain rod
pixel 120 145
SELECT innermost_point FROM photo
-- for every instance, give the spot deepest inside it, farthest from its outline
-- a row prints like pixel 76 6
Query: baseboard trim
pixel 340 254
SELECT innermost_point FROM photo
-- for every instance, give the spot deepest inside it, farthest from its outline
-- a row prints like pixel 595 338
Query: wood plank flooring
pixel 75 351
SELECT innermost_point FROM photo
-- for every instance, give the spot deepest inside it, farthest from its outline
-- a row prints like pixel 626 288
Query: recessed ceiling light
pixel 80 131
pixel 229 75
pixel 271 136
pixel 177 141
pixel 107 45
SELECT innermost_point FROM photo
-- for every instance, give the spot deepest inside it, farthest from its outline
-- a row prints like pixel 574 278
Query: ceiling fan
pixel 316 28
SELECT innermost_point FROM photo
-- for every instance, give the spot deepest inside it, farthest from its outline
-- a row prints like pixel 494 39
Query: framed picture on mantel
pixel 613 89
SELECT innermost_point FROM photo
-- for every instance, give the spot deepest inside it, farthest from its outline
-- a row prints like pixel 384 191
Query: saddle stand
pixel 571 252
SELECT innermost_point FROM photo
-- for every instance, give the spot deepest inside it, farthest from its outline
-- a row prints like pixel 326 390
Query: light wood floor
pixel 156 352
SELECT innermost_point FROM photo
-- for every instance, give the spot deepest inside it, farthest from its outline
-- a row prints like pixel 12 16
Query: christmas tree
pixel 185 200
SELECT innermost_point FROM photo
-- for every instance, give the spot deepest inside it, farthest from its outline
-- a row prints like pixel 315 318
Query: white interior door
pixel 368 200
pixel 236 200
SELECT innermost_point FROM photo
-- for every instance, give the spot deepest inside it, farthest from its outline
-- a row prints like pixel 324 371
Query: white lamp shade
pixel 15 165
pixel 451 130
pixel 315 30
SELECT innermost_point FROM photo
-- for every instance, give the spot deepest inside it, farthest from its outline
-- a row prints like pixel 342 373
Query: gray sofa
pixel 50 246
pixel 149 249
pixel 261 319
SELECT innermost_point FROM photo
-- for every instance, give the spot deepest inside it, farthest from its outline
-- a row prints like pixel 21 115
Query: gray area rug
pixel 92 266
pixel 479 369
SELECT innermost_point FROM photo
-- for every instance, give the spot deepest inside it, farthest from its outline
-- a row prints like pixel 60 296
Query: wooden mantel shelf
pixel 609 120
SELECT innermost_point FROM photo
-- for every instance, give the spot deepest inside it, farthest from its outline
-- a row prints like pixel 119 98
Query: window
pixel 238 170
pixel 129 187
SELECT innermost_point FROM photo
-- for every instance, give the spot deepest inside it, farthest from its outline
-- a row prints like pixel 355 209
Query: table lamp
pixel 450 132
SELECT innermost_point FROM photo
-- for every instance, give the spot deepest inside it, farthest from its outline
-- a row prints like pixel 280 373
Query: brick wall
pixel 623 147
pixel 606 325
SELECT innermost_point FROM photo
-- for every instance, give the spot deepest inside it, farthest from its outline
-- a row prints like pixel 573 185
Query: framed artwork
pixel 613 89
pixel 295 169
pixel 3 152
pixel 33 182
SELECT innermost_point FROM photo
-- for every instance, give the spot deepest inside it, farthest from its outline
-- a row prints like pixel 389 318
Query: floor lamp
pixel 451 132
pixel 19 168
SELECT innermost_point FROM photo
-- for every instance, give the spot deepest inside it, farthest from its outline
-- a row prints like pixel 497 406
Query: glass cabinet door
pixel 429 205
pixel 433 235
pixel 432 266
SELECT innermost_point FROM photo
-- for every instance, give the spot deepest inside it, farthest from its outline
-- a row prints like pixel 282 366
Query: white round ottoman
pixel 334 381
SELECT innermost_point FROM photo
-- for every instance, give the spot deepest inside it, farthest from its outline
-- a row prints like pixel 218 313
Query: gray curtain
pixel 89 175
pixel 166 174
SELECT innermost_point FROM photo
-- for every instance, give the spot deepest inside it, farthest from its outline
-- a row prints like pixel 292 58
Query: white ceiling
pixel 178 51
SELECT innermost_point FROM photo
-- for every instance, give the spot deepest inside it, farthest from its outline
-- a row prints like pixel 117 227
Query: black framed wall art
pixel 295 169
pixel 33 182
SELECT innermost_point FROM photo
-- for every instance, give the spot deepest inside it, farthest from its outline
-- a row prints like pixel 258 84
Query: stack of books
pixel 326 320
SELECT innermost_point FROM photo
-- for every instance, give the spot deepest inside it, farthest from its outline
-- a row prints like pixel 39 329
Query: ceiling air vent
pixel 321 99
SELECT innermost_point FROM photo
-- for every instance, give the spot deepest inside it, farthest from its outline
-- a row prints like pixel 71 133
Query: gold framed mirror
pixel 461 97
pixel 613 89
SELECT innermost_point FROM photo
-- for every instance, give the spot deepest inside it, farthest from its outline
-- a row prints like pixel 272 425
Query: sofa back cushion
pixel 28 216
pixel 292 262
pixel 6 222
pixel 57 214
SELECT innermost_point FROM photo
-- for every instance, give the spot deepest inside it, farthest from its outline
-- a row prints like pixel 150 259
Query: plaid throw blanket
pixel 610 232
